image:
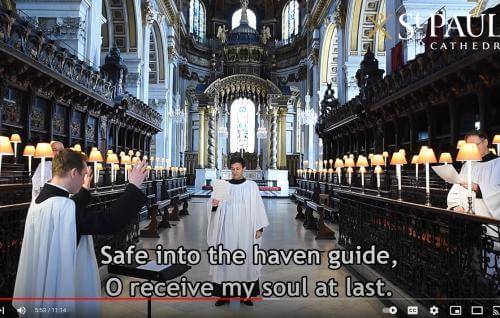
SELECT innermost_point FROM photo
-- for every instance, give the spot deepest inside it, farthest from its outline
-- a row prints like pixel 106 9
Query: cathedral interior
pixel 306 92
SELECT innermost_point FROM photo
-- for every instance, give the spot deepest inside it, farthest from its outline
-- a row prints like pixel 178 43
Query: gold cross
pixel 478 8
pixel 379 23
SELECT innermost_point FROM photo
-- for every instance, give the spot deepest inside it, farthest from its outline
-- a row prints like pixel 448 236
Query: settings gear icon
pixel 434 310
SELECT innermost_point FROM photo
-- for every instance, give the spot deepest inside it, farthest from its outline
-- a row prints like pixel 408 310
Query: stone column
pixel 201 139
pixel 274 139
pixel 211 138
pixel 282 138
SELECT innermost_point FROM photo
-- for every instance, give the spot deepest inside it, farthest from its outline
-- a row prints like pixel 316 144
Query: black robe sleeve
pixel 122 212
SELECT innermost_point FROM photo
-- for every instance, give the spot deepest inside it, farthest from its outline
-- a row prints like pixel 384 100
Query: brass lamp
pixel 349 163
pixel 95 157
pixel 15 139
pixel 42 151
pixel 378 161
pixel 339 164
pixel 362 163
pixel 469 152
pixel 426 156
pixel 398 159
pixel 29 151
pixel 112 159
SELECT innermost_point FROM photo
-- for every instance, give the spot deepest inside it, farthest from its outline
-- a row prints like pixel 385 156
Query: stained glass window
pixel 242 125
pixel 290 20
pixel 197 17
pixel 252 19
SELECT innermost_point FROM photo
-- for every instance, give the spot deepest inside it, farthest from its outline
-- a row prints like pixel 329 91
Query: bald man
pixel 37 185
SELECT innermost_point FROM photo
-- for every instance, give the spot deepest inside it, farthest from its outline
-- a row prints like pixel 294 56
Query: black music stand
pixel 171 272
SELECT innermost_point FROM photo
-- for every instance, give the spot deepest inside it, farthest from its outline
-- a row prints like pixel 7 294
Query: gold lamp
pixel 125 160
pixel 398 159
pixel 426 156
pixel 95 157
pixel 29 151
pixel 445 158
pixel 43 151
pixel 362 163
pixel 15 139
pixel 414 161
pixel 5 149
pixel 339 164
pixel 112 159
pixel 469 152
pixel 385 154
pixel 496 141
pixel 349 163
pixel 378 161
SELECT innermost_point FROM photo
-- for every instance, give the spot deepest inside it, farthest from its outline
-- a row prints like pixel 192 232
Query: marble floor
pixel 284 232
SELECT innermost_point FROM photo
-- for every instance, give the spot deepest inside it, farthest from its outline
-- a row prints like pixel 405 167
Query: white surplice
pixel 51 264
pixel 487 176
pixel 233 225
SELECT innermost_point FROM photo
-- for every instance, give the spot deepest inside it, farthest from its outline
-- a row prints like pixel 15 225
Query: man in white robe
pixel 237 223
pixel 485 182
pixel 57 147
pixel 57 255
pixel 485 194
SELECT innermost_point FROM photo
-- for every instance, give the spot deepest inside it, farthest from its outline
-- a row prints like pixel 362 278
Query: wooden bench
pixel 323 232
pixel 301 203
pixel 184 198
pixel 160 207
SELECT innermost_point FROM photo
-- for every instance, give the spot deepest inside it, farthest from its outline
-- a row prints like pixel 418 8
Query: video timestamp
pixel 50 310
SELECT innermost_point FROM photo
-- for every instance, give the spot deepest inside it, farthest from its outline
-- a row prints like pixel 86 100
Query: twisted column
pixel 201 139
pixel 274 138
pixel 211 138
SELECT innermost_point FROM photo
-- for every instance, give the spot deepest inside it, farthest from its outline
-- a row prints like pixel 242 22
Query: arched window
pixel 290 20
pixel 197 18
pixel 252 19
pixel 242 125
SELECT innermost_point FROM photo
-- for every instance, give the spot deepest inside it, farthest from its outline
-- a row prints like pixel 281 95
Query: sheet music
pixel 153 266
pixel 448 174
pixel 221 190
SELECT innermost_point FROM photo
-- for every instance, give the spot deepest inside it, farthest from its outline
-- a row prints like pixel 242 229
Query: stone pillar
pixel 282 138
pixel 274 138
pixel 212 130
pixel 201 139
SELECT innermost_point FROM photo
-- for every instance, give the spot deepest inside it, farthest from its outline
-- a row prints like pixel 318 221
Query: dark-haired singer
pixel 57 256
pixel 237 223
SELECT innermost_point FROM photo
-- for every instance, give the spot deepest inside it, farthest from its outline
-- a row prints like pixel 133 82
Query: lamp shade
pixel 93 149
pixel 122 154
pixel 469 151
pixel 29 150
pixel 414 160
pixel 330 161
pixel 130 153
pixel 95 156
pixel 78 148
pixel 445 157
pixel 43 150
pixel 144 157
pixel 109 152
pixel 6 147
pixel 496 140
pixel 378 169
pixel 125 160
pixel 135 160
pixel 138 154
pixel 330 171
pixel 385 154
pixel 116 167
pixel 398 159
pixel 362 162
pixel 349 162
pixel 370 156
pixel 426 155
pixel 99 166
pixel 112 158
pixel 15 138
pixel 377 160
pixel 339 163
pixel 402 151
pixel 460 143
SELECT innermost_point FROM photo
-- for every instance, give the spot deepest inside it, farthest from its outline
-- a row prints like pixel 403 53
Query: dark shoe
pixel 221 302
pixel 247 302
